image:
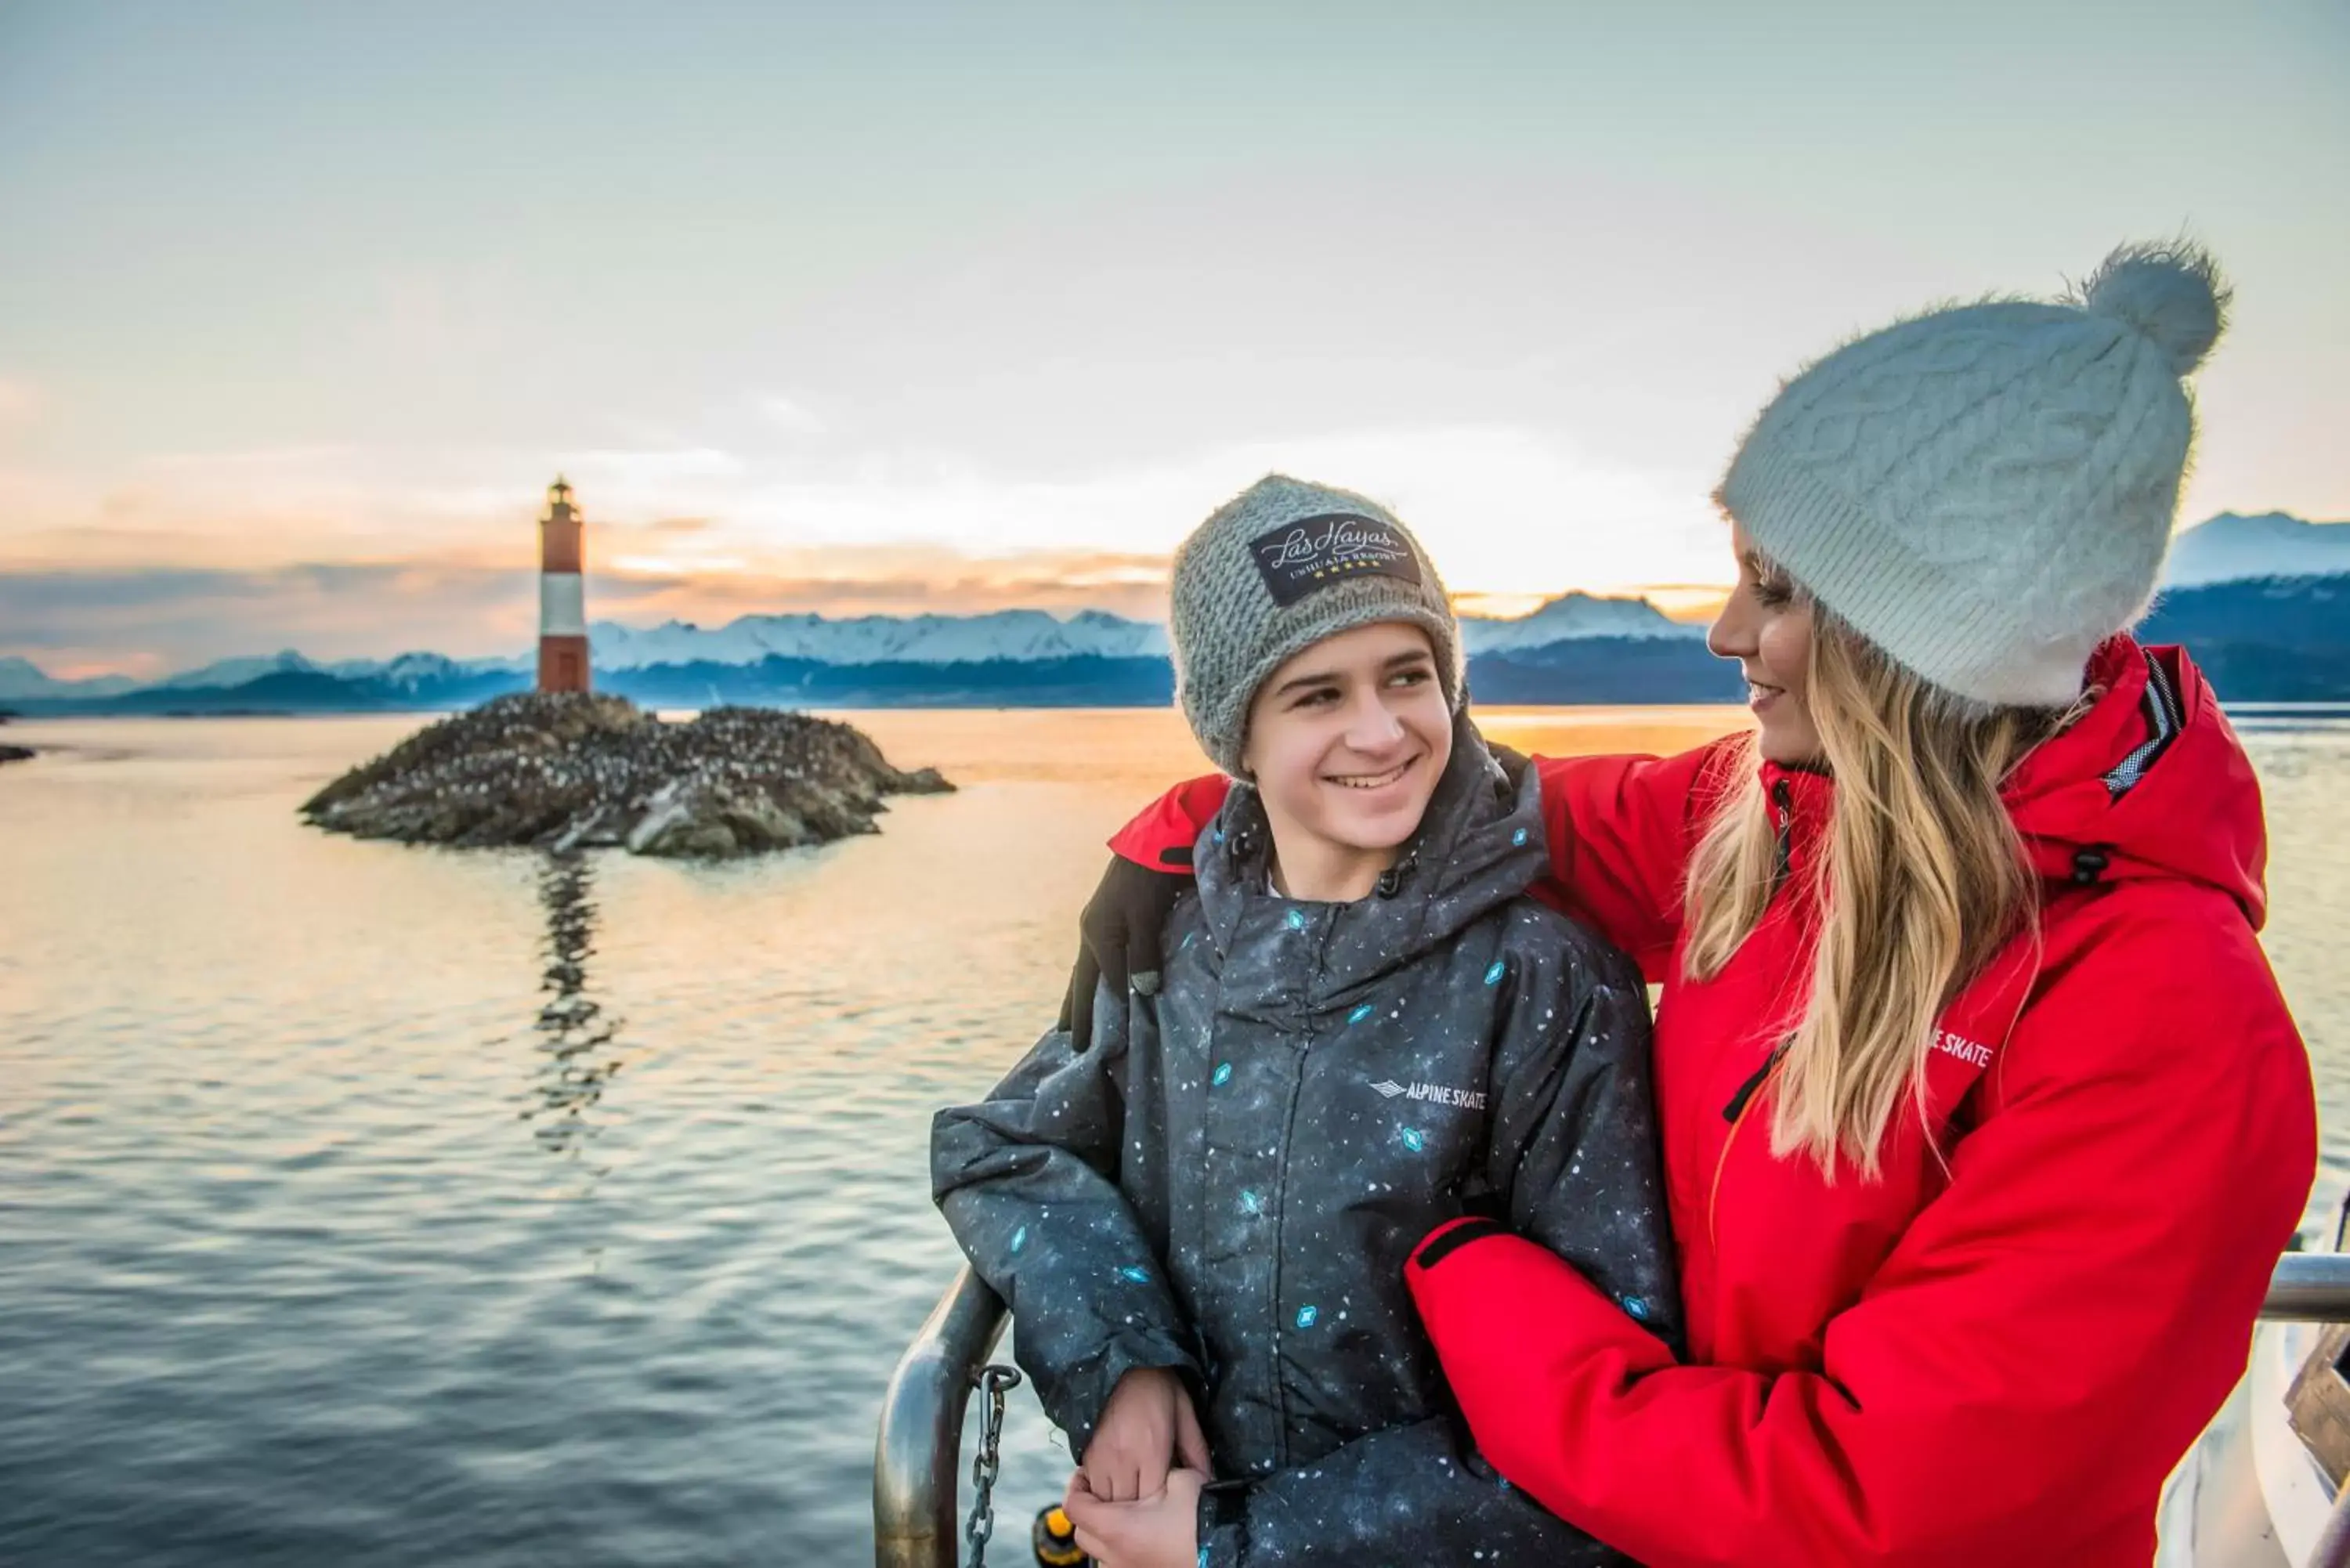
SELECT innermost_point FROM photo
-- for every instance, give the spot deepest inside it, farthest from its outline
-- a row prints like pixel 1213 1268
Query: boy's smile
pixel 1372 781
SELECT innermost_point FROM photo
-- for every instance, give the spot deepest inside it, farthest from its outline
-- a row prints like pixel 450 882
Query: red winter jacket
pixel 1992 1360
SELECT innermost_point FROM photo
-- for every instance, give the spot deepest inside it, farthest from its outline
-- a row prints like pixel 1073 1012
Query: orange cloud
pixel 887 581
pixel 144 620
pixel 345 552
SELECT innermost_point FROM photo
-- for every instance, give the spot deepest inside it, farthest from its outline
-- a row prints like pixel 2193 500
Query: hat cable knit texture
pixel 1231 628
pixel 1986 492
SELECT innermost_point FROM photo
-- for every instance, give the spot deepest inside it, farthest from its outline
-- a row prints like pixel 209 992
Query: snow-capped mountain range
pixel 1023 636
pixel 21 678
pixel 1571 617
pixel 2232 547
pixel 2229 547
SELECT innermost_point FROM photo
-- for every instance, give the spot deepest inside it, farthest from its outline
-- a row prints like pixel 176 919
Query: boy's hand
pixel 1145 1428
pixel 1159 1531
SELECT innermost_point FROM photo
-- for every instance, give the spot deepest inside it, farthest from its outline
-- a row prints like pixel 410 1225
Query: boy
pixel 1200 1216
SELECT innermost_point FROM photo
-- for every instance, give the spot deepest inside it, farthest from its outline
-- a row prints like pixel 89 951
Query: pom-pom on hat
pixel 1273 571
pixel 1986 493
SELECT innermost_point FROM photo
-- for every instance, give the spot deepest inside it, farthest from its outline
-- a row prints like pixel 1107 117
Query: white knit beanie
pixel 1276 569
pixel 1985 493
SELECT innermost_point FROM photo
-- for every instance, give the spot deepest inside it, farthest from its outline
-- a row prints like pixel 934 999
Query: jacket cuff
pixel 1450 1237
pixel 1150 1352
pixel 1223 1525
pixel 1500 1309
pixel 1481 1289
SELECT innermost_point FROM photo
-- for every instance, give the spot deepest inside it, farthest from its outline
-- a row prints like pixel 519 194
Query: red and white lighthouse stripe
pixel 562 604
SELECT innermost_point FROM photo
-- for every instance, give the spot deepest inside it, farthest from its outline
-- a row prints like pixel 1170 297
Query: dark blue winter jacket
pixel 1227 1178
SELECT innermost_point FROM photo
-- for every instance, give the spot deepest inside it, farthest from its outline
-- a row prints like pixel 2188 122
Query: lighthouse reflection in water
pixel 576 1037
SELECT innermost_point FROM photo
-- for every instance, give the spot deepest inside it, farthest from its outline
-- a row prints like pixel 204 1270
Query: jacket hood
pixel 2149 783
pixel 1479 846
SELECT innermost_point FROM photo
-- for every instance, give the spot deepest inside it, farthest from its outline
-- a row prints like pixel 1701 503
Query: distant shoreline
pixel 2327 707
pixel 148 716
pixel 2252 710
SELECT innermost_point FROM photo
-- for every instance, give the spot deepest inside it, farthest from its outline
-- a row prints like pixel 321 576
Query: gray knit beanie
pixel 1985 493
pixel 1276 569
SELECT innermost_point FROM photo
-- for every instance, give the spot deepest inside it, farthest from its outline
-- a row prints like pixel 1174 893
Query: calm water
pixel 366 1205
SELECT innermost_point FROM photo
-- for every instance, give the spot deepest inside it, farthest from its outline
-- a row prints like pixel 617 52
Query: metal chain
pixel 994 1382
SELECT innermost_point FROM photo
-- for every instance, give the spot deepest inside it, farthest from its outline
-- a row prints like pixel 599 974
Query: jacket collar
pixel 1477 846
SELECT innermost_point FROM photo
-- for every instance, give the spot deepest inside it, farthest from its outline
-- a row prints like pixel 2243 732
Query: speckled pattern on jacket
pixel 1229 1180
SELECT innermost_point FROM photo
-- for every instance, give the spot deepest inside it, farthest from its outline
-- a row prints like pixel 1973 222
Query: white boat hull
pixel 2249 1495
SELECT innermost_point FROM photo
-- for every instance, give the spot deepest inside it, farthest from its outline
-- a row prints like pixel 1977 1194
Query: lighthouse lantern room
pixel 562 607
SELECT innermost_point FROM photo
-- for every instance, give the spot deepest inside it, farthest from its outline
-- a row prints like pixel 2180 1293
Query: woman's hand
pixel 1158 1531
pixel 1118 938
pixel 1514 763
pixel 1147 1429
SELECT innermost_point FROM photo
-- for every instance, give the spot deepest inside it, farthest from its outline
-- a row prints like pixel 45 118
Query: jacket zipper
pixel 1783 847
pixel 1735 1113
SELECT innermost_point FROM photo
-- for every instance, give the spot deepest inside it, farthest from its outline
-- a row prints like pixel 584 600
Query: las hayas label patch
pixel 1315 552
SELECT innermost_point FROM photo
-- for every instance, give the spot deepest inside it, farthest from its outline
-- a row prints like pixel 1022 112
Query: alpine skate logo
pixel 1973 1053
pixel 1434 1094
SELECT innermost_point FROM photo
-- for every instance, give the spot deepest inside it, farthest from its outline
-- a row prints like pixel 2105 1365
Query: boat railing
pixel 917 1456
pixel 2309 1287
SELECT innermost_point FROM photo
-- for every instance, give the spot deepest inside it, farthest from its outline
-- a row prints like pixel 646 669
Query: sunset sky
pixel 894 306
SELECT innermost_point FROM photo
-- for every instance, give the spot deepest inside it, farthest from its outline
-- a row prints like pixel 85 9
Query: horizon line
pixel 1645 594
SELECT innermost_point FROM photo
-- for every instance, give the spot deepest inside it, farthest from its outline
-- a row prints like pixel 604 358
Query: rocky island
pixel 567 771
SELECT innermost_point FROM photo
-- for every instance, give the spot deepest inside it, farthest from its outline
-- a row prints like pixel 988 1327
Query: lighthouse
pixel 562 607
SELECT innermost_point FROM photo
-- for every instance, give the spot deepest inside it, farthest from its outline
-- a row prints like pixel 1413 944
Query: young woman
pixel 1983 1120
pixel 1199 1211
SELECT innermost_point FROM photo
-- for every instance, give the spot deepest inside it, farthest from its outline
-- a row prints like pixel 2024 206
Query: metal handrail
pixel 2309 1287
pixel 917 1456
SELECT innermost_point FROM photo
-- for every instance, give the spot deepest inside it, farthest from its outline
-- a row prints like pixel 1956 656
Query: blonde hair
pixel 1921 880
